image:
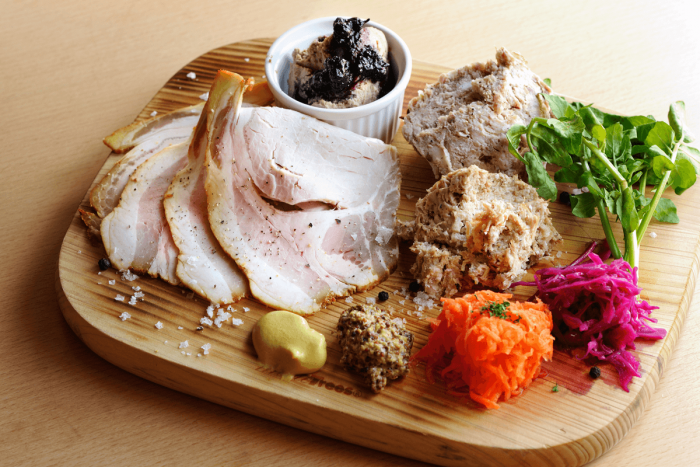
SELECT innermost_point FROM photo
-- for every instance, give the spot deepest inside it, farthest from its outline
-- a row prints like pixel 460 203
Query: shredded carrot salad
pixel 488 344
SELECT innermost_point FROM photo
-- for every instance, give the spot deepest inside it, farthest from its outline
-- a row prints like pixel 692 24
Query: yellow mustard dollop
pixel 285 342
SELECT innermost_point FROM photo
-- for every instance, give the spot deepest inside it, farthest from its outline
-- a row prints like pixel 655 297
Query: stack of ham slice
pixel 256 200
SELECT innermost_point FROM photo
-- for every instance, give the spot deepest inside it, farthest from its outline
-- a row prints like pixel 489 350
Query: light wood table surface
pixel 73 71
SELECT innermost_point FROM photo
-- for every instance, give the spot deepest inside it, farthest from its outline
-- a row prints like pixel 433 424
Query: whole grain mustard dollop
pixel 285 342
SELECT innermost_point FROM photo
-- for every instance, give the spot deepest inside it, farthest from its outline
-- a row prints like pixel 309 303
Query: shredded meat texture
pixel 462 119
pixel 478 228
pixel 374 344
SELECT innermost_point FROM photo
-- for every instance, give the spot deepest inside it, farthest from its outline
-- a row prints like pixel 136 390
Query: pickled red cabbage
pixel 597 306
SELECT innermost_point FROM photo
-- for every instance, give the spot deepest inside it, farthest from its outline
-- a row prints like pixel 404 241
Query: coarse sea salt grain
pixel 132 301
pixel 136 288
pixel 192 75
pixel 183 345
pixel 422 299
pixel 246 59
pixel 206 321
pixel 210 311
pixel 119 298
pixel 204 96
pixel 370 300
pixel 206 348
pixel 159 325
pixel 139 294
pixel 576 191
pixel 124 316
pixel 246 310
pixel 652 234
pixel 180 327
pixel 154 113
pixel 348 300
pixel 236 321
pixel 128 276
pixel 112 282
pixel 409 196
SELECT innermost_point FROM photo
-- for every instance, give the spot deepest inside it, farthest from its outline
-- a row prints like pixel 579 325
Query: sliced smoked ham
pixel 202 265
pixel 138 132
pixel 136 234
pixel 307 210
pixel 143 139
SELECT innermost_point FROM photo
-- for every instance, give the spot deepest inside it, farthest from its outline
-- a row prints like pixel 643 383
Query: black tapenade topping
pixel 350 63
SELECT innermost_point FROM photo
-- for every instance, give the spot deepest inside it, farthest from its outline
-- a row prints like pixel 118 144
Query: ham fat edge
pixel 303 230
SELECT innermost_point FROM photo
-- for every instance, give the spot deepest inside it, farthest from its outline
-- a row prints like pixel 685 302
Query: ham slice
pixel 136 234
pixel 138 132
pixel 202 265
pixel 146 139
pixel 307 210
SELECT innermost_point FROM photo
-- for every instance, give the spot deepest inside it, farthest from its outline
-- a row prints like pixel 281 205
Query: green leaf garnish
pixel 538 176
pixel 606 155
pixel 666 212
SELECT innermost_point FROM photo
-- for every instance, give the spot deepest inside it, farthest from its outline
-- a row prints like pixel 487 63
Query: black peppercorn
pixel 104 264
pixel 383 296
pixel 414 286
pixel 595 372
pixel 565 198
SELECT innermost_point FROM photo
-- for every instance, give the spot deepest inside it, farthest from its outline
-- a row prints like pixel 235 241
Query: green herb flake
pixel 555 388
pixel 497 310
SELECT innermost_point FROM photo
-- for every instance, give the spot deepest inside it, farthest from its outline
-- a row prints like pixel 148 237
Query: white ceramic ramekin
pixel 379 119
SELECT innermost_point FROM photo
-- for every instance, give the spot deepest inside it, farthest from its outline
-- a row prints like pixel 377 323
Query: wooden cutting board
pixel 410 417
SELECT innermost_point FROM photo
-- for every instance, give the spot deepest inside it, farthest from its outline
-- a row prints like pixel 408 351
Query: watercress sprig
pixel 606 155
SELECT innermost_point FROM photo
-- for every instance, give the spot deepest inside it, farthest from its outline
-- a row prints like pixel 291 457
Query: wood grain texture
pixel 73 71
pixel 415 419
